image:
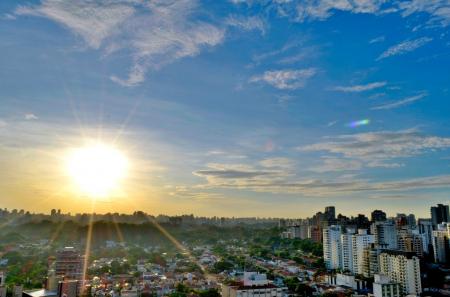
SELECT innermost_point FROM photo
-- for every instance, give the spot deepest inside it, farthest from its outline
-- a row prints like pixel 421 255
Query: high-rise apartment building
pixel 330 213
pixel 385 234
pixel 384 287
pixel 347 250
pixel 332 248
pixel 360 242
pixel 439 214
pixel 69 264
pixel 403 268
pixel 370 260
pixel 441 244
pixel 410 241
pixel 425 227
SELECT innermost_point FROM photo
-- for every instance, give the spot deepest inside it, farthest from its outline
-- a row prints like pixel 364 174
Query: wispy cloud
pixel 337 164
pixel 377 147
pixel 332 123
pixel 361 88
pixel 161 33
pixel 293 44
pixel 286 79
pixel 8 16
pixel 439 10
pixel 30 116
pixel 94 22
pixel 404 47
pixel 323 9
pixel 245 177
pixel 247 23
pixel 400 103
pixel 377 39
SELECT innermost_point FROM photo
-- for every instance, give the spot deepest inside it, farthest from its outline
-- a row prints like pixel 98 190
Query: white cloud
pixel 269 180
pixel 93 21
pixel 323 9
pixel 247 23
pixel 377 147
pixel 377 39
pixel 332 123
pixel 3 123
pixel 361 88
pixel 30 116
pixel 400 103
pixel 404 47
pixel 161 33
pixel 286 79
pixel 279 162
pixel 439 10
pixel 337 164
pixel 8 16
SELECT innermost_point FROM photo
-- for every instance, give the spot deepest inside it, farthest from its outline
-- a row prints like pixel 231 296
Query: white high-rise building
pixel 347 250
pixel 441 244
pixel 403 268
pixel 425 227
pixel 332 248
pixel 360 242
pixel 385 234
pixel 384 287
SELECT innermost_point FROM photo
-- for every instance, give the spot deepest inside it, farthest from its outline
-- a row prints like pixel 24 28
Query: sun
pixel 97 170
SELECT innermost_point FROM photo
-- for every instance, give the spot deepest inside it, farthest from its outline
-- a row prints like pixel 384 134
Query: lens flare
pixel 355 124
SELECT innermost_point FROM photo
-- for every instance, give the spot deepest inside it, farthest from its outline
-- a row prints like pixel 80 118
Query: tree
pixel 209 293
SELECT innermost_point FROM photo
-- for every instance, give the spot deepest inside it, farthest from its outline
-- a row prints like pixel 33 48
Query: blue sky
pixel 238 108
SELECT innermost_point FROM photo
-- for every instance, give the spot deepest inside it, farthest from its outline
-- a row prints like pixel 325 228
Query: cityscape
pixel 224 148
pixel 58 254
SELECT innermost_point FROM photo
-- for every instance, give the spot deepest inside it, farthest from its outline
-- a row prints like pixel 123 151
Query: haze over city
pixel 225 108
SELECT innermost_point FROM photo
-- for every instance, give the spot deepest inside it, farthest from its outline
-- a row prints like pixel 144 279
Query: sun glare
pixel 97 170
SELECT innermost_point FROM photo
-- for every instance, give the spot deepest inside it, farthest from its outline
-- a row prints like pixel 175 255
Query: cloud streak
pixel 374 148
pixel 286 79
pixel 361 88
pixel 247 23
pixel 400 103
pixel 260 180
pixel 404 47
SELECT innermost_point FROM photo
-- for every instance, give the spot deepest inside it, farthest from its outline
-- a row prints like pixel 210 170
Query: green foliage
pixel 222 265
pixel 181 290
pixel 300 289
pixel 209 293
pixel 330 294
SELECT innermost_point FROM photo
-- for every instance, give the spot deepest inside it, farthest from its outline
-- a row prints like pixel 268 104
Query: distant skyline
pixel 99 215
pixel 229 108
